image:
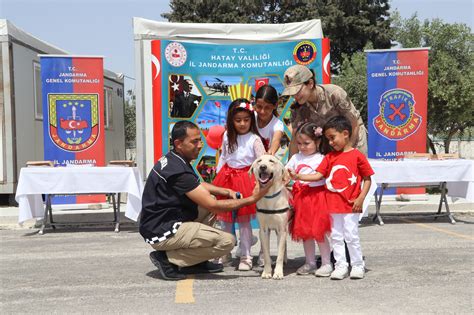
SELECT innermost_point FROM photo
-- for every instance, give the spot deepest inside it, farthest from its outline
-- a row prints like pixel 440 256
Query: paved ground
pixel 414 266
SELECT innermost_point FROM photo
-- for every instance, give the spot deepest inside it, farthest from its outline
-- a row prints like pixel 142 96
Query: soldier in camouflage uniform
pixel 318 103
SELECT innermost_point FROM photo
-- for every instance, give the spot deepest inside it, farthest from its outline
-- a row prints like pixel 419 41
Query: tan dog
pixel 272 210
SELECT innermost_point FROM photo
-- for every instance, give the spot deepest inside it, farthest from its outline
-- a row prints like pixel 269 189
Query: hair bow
pixel 318 131
pixel 246 106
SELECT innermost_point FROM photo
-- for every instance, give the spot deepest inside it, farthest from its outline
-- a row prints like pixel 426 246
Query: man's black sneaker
pixel 168 271
pixel 204 267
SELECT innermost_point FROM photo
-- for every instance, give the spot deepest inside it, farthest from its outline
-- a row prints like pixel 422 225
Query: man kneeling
pixel 174 219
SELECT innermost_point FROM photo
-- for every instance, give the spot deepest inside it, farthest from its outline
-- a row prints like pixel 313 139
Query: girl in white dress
pixel 269 126
pixel 240 147
pixel 311 221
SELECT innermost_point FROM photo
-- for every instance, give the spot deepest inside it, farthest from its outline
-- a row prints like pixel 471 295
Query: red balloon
pixel 215 136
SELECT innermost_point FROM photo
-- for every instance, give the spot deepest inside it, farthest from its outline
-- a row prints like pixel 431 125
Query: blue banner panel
pixel 192 81
pixel 72 92
pixel 397 104
pixel 378 84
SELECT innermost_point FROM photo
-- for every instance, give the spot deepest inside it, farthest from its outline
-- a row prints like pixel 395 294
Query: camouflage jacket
pixel 332 101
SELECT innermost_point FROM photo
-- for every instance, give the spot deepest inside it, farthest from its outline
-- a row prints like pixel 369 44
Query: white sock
pixel 309 252
pixel 245 238
pixel 325 252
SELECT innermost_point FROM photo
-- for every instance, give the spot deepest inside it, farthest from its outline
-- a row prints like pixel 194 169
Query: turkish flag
pixel 175 85
pixel 72 124
pixel 260 82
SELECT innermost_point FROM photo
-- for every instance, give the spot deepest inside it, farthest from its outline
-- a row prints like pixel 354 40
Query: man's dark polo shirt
pixel 164 203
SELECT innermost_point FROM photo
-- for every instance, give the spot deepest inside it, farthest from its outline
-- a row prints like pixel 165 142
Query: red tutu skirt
pixel 239 180
pixel 311 219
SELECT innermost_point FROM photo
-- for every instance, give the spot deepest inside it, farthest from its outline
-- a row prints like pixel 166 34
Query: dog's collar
pixel 272 196
pixel 266 211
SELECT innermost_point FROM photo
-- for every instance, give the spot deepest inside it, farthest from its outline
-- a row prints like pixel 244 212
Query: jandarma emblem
pixel 397 118
pixel 74 120
pixel 304 52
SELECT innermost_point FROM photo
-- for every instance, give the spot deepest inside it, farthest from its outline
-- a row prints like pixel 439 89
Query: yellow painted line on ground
pixel 429 227
pixel 184 291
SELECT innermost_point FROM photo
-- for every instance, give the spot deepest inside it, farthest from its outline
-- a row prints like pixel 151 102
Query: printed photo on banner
pixel 218 85
pixel 206 166
pixel 184 96
pixel 214 112
pixel 273 80
pixel 170 143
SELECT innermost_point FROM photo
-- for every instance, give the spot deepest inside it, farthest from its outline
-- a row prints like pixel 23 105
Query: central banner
pixel 192 81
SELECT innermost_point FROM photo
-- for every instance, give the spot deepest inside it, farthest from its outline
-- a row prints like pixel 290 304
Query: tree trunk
pixel 431 145
pixel 448 139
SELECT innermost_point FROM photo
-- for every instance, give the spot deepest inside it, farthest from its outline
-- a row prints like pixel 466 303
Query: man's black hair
pixel 186 84
pixel 179 130
pixel 339 123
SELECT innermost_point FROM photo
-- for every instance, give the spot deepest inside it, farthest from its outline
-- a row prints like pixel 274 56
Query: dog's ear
pixel 254 164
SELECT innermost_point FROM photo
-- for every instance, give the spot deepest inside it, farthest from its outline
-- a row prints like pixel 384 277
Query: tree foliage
pixel 451 75
pixel 353 79
pixel 350 25
pixel 130 120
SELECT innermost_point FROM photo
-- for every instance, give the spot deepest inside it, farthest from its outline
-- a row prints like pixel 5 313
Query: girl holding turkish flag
pixel 345 169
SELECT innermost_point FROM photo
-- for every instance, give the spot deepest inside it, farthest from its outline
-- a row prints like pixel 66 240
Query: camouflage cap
pixel 294 78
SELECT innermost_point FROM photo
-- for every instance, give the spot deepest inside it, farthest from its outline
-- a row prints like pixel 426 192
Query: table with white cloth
pixel 455 178
pixel 36 181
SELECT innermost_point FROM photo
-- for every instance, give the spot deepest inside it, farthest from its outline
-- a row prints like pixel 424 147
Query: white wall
pixel 465 148
pixel 28 130
pixel 2 104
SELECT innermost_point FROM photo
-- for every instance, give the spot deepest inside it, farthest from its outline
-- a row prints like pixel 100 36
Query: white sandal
pixel 245 263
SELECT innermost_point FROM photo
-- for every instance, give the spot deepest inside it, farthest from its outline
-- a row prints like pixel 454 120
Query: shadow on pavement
pixel 155 274
pixel 77 229
pixel 413 218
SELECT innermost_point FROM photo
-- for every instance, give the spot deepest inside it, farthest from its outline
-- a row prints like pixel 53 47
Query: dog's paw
pixel 278 275
pixel 266 275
